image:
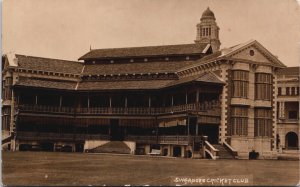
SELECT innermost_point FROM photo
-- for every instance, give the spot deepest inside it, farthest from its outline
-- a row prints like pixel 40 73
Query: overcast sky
pixel 66 29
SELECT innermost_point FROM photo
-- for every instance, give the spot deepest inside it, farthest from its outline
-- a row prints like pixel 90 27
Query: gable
pixel 253 54
pixel 252 51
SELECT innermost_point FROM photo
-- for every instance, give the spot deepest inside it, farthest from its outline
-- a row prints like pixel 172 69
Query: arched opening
pixel 291 140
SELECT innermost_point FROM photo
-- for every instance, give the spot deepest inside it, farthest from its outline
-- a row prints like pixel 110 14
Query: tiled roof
pixel 289 71
pixel 114 85
pixel 124 85
pixel 46 83
pixel 204 77
pixel 143 67
pixel 47 64
pixel 144 51
pixel 147 84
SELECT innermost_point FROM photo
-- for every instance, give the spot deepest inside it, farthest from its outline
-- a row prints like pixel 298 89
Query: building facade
pixel 189 100
pixel 288 109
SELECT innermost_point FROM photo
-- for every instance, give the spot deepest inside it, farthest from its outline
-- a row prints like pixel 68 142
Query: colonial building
pixel 288 109
pixel 189 100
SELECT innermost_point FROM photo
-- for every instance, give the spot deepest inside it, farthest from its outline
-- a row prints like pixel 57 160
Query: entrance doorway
pixel 211 131
pixel 79 147
pixel 291 140
pixel 116 132
pixel 176 151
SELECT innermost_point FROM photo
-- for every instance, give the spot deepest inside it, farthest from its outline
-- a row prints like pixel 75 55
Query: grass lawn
pixel 52 168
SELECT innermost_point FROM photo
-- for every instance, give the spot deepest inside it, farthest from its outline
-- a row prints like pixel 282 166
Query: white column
pixel 186 98
pixel 224 98
pixel 281 110
pixel 60 101
pixel 197 96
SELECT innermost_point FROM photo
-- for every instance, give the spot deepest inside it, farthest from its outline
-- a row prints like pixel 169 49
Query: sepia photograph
pixel 150 92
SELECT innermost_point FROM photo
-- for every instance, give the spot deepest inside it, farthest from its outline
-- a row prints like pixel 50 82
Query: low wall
pixel 91 144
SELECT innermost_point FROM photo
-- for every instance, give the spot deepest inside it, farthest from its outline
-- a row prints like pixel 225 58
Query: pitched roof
pixel 144 51
pixel 148 84
pixel 123 85
pixel 142 67
pixel 229 52
pixel 289 71
pixel 208 77
pixel 48 64
pixel 46 83
pixel 114 85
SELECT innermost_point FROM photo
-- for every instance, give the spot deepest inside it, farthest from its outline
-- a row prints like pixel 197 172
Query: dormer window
pixel 131 60
pixel 167 58
pixel 111 61
pixel 145 60
pixel 187 58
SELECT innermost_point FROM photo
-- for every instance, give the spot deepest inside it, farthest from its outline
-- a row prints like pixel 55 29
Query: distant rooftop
pixel 289 71
pixel 147 51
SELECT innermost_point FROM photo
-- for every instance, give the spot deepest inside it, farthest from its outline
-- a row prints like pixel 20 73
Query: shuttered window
pixel 239 121
pixel 263 122
pixel 240 83
pixel 263 86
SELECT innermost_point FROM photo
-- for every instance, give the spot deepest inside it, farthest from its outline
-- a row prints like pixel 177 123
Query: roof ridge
pixel 49 58
pixel 145 46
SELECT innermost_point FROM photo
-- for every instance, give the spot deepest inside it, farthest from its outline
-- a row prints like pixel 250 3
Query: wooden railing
pixel 46 108
pixel 163 139
pixel 60 136
pixel 213 108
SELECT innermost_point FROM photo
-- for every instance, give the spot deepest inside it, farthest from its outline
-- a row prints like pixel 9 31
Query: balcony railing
pixel 60 136
pixel 212 107
pixel 164 139
pixel 287 120
pixel 161 139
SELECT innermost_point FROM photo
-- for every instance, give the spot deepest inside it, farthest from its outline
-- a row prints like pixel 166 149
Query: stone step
pixel 223 152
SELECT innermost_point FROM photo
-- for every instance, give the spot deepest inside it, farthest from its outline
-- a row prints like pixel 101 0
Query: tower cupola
pixel 208 30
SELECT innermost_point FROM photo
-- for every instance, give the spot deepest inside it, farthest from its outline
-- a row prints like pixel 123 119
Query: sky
pixel 66 29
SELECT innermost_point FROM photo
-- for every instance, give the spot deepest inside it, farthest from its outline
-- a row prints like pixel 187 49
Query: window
pixel 263 122
pixel 287 91
pixel 6 119
pixel 251 52
pixel 8 81
pixel 297 91
pixel 239 121
pixel 7 94
pixel 293 115
pixel 293 91
pixel 209 31
pixel 263 86
pixel 240 84
pixel 279 91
